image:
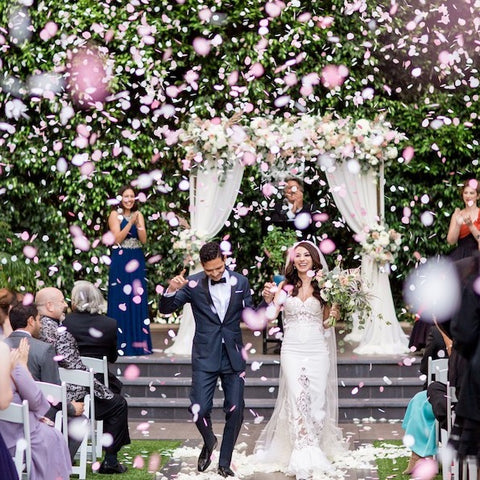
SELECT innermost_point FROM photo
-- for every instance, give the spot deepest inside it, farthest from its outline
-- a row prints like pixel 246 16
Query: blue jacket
pixel 210 332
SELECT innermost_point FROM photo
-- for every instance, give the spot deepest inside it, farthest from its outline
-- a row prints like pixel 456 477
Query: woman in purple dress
pixel 7 467
pixel 127 285
pixel 50 455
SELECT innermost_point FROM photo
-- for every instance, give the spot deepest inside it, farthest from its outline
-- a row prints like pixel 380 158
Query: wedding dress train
pixel 303 434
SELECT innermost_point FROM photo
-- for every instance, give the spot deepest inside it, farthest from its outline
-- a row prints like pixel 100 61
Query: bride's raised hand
pixel 269 290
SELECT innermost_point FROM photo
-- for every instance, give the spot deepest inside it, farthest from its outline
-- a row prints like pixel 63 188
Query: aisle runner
pixel 362 458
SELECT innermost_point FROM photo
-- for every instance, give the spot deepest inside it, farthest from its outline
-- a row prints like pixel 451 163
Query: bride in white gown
pixel 302 434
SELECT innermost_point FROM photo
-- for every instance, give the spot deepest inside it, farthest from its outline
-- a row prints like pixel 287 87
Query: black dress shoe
pixel 205 457
pixel 225 472
pixel 110 469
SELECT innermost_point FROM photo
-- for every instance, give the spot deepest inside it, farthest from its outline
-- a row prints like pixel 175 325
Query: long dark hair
pixel 291 273
pixel 472 183
pixel 120 194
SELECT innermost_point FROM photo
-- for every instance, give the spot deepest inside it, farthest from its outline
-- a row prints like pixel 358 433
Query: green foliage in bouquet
pixel 346 288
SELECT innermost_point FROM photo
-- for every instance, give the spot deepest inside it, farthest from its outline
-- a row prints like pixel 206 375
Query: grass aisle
pixel 139 456
pixel 392 468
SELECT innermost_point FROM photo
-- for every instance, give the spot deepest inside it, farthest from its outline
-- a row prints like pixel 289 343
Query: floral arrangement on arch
pixel 347 289
pixel 189 243
pixel 286 143
pixel 380 243
pixel 219 143
pixel 365 144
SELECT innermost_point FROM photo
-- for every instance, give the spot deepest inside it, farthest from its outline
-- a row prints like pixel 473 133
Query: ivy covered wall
pixel 92 95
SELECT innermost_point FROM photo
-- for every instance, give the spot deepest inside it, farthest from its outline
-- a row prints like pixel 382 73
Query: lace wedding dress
pixel 303 434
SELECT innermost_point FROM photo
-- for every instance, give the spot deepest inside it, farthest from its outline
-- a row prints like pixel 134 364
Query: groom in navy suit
pixel 218 298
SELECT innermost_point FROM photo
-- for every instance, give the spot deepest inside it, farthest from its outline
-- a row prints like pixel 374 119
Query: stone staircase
pixel 377 387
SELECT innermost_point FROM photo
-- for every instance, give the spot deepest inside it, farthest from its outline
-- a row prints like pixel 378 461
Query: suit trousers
pixel 201 395
pixel 114 413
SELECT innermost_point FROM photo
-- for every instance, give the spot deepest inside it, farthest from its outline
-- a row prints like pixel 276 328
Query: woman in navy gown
pixel 127 286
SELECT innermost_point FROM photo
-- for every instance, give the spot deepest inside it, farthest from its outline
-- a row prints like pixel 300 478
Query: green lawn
pixel 143 452
pixel 392 468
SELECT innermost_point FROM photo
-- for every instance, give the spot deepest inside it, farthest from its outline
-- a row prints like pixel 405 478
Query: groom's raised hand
pixel 177 282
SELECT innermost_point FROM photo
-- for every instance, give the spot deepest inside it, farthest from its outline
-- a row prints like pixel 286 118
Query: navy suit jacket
pixel 210 331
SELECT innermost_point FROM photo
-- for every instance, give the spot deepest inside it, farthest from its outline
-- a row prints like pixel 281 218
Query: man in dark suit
pixel 293 212
pixel 218 298
pixel 25 322
pixel 95 333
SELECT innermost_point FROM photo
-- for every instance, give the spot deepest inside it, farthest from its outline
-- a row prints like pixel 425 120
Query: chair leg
pixel 472 468
pixel 81 469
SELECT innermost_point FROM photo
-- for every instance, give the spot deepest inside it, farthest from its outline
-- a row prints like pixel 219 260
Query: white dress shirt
pixel 220 294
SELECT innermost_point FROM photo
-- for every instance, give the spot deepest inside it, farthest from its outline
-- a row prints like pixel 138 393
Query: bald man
pixel 109 407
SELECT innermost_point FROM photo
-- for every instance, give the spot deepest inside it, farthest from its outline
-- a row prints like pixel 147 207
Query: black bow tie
pixel 216 282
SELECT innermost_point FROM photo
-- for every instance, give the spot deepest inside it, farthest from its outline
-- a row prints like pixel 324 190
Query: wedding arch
pixel 353 155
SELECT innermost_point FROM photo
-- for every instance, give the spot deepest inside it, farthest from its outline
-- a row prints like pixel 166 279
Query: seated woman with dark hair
pixel 8 298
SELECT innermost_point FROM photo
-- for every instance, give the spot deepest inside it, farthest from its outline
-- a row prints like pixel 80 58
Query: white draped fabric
pixel 211 202
pixel 359 198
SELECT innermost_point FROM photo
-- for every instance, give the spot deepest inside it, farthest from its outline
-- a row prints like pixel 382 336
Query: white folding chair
pixel 437 370
pixel 17 413
pixel 57 394
pixel 98 365
pixel 85 379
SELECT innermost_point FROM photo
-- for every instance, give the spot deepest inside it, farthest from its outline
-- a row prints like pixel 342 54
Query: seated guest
pixel 25 322
pixel 110 407
pixel 7 467
pixel 431 404
pixel 50 456
pixel 95 333
pixel 7 299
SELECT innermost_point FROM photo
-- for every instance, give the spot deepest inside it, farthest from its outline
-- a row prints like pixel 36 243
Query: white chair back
pixel 57 394
pixel 17 413
pixel 83 378
pixel 437 370
pixel 99 365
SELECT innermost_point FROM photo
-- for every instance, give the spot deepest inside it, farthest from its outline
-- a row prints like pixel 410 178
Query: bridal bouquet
pixel 381 244
pixel 345 288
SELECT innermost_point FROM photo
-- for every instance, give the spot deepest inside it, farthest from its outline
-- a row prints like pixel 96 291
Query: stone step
pixel 269 366
pixel 176 409
pixel 179 387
